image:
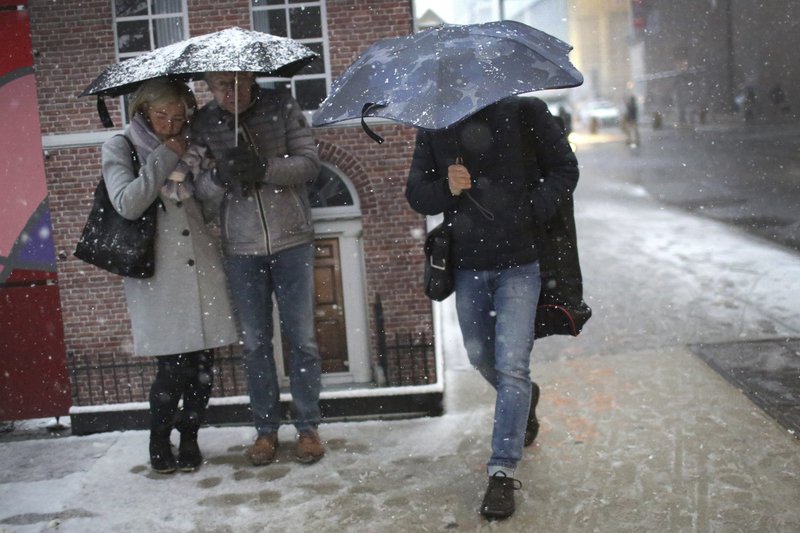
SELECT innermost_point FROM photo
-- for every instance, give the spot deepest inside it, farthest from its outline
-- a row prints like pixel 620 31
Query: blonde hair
pixel 162 91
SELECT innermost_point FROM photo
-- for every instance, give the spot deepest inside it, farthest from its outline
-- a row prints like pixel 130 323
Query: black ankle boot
pixel 189 456
pixel 161 458
pixel 498 502
pixel 532 428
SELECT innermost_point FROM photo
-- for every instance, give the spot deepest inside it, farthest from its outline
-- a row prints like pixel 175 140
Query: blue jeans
pixel 252 280
pixel 496 312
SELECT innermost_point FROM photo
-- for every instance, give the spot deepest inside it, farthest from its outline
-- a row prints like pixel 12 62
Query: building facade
pixel 374 324
pixel 707 57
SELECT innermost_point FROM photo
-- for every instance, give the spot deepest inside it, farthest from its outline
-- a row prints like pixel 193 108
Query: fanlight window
pixel 332 194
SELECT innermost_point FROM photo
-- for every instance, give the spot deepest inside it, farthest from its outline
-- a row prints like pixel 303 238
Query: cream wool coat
pixel 184 307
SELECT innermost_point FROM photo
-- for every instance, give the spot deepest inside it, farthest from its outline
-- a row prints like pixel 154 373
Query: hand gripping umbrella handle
pixel 370 106
pixel 488 215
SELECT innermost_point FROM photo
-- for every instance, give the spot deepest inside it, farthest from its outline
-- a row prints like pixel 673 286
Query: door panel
pixel 329 310
pixel 329 319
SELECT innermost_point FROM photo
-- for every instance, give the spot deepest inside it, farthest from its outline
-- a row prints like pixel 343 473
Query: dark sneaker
pixel 264 450
pixel 532 429
pixel 309 447
pixel 498 502
pixel 161 458
pixel 189 456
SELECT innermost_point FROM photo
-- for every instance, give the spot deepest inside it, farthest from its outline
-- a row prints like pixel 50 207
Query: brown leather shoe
pixel 263 451
pixel 309 447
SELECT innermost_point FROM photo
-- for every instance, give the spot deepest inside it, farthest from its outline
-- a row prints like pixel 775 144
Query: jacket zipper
pixel 263 220
pixel 261 211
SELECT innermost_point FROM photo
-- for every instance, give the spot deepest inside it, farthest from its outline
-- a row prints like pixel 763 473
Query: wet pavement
pixel 748 177
pixel 767 371
pixel 640 432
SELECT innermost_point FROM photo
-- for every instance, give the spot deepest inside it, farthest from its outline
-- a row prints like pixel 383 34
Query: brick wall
pixel 73 42
pixel 355 24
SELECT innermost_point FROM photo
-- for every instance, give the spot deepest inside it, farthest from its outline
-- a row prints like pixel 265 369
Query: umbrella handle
pixel 369 106
pixel 488 215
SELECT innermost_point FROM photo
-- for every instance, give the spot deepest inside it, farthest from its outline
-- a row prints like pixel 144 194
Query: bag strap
pixel 137 166
pixel 134 155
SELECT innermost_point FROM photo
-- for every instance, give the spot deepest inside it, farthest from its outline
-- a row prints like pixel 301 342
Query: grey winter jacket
pixel 184 307
pixel 275 214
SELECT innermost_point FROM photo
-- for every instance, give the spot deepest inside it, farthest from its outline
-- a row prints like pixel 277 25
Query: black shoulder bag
pixel 438 281
pixel 114 243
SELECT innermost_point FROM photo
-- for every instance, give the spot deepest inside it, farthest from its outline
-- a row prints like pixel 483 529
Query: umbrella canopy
pixel 434 78
pixel 230 50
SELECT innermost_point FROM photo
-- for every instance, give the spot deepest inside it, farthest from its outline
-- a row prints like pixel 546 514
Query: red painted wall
pixel 34 381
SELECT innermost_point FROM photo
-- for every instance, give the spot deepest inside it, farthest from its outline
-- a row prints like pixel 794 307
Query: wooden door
pixel 329 320
pixel 329 306
pixel 329 310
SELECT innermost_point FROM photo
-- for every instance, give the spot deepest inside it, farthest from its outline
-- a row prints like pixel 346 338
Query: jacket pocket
pixel 241 222
pixel 301 211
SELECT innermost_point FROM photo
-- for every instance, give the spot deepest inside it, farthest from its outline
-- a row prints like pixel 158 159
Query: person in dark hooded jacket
pixel 497 176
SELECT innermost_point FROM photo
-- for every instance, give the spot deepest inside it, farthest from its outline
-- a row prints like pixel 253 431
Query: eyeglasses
pixel 166 117
pixel 224 86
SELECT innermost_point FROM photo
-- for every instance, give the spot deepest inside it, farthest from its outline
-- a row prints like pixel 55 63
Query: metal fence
pixel 111 379
pixel 409 360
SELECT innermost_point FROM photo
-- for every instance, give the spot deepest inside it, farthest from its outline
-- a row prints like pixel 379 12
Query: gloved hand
pixel 240 165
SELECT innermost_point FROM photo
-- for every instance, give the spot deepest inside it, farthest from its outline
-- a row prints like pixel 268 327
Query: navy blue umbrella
pixel 435 78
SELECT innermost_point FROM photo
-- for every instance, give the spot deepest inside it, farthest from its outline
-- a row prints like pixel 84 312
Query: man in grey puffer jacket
pixel 259 187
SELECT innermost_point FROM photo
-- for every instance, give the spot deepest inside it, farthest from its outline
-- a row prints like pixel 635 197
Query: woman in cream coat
pixel 182 312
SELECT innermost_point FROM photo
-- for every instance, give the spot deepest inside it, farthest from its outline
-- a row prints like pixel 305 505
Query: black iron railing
pixel 110 379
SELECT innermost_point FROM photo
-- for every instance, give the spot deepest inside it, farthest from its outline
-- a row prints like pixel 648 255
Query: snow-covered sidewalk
pixel 643 441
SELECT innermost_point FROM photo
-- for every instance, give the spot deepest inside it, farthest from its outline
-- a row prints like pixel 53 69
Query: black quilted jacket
pixel 522 167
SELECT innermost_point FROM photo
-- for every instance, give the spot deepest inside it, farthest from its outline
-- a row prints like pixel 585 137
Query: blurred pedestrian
pixel 631 122
pixel 750 102
pixel 182 312
pixel 496 176
pixel 778 99
pixel 268 239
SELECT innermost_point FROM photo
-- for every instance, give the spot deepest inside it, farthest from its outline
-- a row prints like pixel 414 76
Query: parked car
pixel 559 105
pixel 599 113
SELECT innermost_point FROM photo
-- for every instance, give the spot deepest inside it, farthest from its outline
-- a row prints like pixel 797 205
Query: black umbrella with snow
pixel 229 50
